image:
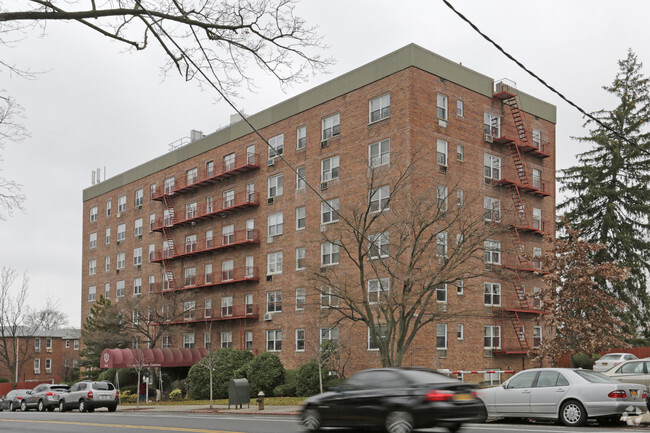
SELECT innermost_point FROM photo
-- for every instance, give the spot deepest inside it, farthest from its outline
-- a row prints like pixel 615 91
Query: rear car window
pixel 609 357
pixel 595 377
pixel 60 387
pixel 424 377
pixel 103 386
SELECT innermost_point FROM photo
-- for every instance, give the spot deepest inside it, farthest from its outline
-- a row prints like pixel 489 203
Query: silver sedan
pixel 570 395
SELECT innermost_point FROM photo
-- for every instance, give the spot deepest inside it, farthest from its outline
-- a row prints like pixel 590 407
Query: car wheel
pixel 82 406
pixel 311 419
pixel 61 406
pixel 11 407
pixel 573 414
pixel 40 406
pixel 112 408
pixel 399 422
pixel 23 406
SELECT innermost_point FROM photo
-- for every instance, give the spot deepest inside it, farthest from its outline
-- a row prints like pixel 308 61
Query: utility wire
pixel 522 66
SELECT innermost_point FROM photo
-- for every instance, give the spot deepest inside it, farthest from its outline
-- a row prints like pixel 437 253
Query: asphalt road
pixel 104 422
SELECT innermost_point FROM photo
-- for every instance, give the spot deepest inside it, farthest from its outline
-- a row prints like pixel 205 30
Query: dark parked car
pixel 396 399
pixel 12 400
pixel 87 396
pixel 43 397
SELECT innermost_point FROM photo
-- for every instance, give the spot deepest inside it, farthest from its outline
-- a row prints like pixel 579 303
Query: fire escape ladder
pixel 171 249
pixel 519 330
pixel 519 163
pixel 520 292
pixel 518 202
pixel 516 116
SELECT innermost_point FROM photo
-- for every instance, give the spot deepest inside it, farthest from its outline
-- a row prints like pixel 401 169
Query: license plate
pixel 604 363
pixel 104 397
pixel 464 396
pixel 634 392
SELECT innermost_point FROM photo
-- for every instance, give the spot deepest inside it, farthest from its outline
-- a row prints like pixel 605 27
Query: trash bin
pixel 239 392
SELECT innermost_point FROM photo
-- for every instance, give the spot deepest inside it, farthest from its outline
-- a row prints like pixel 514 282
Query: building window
pixel 137 256
pixel 207 340
pixel 492 209
pixel 276 146
pixel 460 287
pixel 37 366
pixel 537 336
pixel 139 197
pixel 379 199
pixel 67 344
pixel 168 185
pixel 121 260
pixel 274 340
pixel 248 336
pixel 188 341
pixel 491 125
pixel 274 302
pixel 226 340
pixel 329 254
pixel 275 224
pixel 274 263
pixel 460 152
pixel 460 198
pixel 459 108
pixel 537 258
pixel 301 137
pixel 207 308
pixel 329 334
pixel 379 246
pixel 492 294
pixel 442 194
pixel 93 240
pixel 191 210
pixel 378 290
pixel 228 198
pixel 92 267
pixel 491 337
pixel 188 310
pixel 380 330
pixel 166 341
pixel 379 108
pixel 226 306
pixel 300 299
pixel 190 277
pixel 121 204
pixel 537 298
pixel 228 233
pixel 301 219
pixel 92 293
pixel 492 252
pixel 152 190
pixel 93 214
pixel 37 345
pixel 109 208
pixel 537 138
pixel 276 185
pixel 301 177
pixel 229 162
pixel 379 153
pixel 107 293
pixel 119 289
pixel 442 106
pixel 441 293
pixel 152 283
pixel 137 227
pixel 442 147
pixel 537 219
pixel 441 336
pixel 121 232
pixel 537 178
pixel 137 286
pixel 328 297
pixel 329 168
pixel 331 126
pixel 329 211
pixel 108 236
pixel 460 331
pixel 250 192
pixel 300 340
pixel 300 258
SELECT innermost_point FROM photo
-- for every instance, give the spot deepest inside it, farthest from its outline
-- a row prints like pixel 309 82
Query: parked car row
pixel 85 396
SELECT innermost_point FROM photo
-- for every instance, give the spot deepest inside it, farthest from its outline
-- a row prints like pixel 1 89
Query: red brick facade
pixel 413 129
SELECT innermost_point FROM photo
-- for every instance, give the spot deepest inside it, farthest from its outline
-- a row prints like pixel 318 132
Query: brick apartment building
pixel 225 220
pixel 46 356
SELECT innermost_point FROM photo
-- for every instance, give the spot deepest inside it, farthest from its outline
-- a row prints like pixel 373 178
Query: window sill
pixel 378 121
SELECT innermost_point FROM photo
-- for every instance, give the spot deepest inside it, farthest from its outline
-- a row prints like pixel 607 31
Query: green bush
pixel 128 397
pixel 264 373
pixel 288 388
pixel 176 395
pixel 4 380
pixel 225 362
pixel 307 379
pixel 582 360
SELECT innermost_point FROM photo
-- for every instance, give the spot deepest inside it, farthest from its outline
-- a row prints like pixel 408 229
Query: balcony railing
pixel 207 175
pixel 532 225
pixel 511 261
pixel 232 312
pixel 509 134
pixel 510 176
pixel 240 200
pixel 218 278
pixel 201 246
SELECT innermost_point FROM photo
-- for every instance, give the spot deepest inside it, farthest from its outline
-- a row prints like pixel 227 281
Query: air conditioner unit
pixel 442 169
pixel 268 316
pixel 324 144
pixel 119 214
pixel 139 267
pixel 488 137
pixel 269 239
pixel 270 162
pixel 270 200
pixel 140 237
pixel 37 350
pixel 442 123
pixel 140 207
pixel 48 370
pixel 323 270
pixel 442 307
pixel 37 371
pixel 117 271
pixel 48 350
pixel 118 243
pixel 323 186
pixel 269 278
pixel 488 181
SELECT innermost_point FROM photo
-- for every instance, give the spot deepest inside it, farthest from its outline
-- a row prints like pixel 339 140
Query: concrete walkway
pixel 221 409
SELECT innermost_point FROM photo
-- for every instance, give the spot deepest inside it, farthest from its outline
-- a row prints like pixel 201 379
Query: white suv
pixel 87 396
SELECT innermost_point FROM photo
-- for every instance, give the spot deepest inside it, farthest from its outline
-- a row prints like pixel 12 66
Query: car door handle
pixel 525 392
pixel 559 390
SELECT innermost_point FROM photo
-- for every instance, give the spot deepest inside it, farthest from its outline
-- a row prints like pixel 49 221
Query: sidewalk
pixel 220 409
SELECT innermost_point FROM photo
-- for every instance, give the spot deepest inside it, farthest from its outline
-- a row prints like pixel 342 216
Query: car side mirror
pixel 336 389
pixel 29 392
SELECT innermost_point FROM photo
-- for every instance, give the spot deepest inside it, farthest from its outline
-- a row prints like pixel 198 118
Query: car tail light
pixel 19 398
pixel 117 394
pixel 617 394
pixel 434 395
pixel 644 395
pixel 90 394
pixel 49 393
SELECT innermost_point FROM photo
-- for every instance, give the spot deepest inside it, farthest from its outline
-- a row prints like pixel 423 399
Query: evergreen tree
pixel 104 329
pixel 608 194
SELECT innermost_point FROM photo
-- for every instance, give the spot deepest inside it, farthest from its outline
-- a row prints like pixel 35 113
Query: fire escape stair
pixel 519 330
pixel 170 243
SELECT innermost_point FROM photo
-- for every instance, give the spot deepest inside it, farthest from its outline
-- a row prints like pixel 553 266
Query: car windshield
pixel 610 357
pixel 424 376
pixel 595 377
pixel 59 387
pixel 103 386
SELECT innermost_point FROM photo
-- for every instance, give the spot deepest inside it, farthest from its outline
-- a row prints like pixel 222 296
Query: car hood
pixel 319 397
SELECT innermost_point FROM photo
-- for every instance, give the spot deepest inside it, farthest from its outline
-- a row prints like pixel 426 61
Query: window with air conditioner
pixel 275 184
pixel 93 214
pixel 274 302
pixel 121 204
pixel 329 168
pixel 276 146
pixel 442 107
pixel 329 211
pixel 139 197
pixel 331 126
pixel 491 124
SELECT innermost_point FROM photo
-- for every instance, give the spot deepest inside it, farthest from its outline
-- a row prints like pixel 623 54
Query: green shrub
pixel 264 373
pixel 127 397
pixel 288 388
pixel 176 395
pixel 307 379
pixel 582 360
pixel 4 380
pixel 225 362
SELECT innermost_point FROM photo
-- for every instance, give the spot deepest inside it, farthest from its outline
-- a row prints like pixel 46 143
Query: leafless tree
pixel 49 317
pixel 205 40
pixel 11 130
pixel 409 242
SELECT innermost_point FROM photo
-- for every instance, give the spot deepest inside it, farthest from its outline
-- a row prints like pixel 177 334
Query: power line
pixel 522 66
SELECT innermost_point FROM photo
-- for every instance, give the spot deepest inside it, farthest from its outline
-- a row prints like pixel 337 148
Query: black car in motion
pixel 396 399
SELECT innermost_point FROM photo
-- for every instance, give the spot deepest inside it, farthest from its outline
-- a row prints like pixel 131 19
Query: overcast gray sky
pixel 98 106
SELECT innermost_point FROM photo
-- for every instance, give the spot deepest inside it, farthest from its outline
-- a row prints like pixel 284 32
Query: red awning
pixel 128 358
